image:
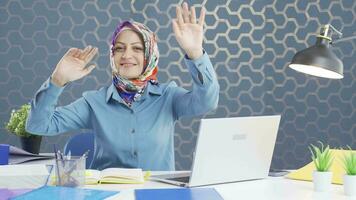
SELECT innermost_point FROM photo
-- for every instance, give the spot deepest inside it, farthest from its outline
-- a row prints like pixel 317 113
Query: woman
pixel 133 118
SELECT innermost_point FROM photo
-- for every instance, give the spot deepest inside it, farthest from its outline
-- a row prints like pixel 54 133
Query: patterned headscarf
pixel 131 89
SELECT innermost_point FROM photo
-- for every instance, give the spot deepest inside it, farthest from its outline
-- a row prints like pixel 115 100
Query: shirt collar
pixel 154 88
pixel 151 89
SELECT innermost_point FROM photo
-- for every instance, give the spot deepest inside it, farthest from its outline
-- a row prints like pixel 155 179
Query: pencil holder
pixel 70 172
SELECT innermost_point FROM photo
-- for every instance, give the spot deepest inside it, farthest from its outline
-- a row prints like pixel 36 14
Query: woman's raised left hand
pixel 188 31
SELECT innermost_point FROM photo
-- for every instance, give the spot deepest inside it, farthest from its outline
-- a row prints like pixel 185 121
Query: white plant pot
pixel 322 181
pixel 349 185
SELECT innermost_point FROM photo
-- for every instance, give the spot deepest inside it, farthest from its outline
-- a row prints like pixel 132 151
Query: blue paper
pixel 6 194
pixel 65 193
pixel 4 154
pixel 178 194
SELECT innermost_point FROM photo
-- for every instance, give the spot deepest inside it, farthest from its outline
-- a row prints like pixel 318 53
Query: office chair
pixel 79 144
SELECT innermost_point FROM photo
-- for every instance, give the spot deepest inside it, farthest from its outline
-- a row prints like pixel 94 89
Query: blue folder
pixel 65 193
pixel 178 194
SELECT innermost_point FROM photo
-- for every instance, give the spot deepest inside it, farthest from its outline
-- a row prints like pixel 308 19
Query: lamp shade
pixel 318 60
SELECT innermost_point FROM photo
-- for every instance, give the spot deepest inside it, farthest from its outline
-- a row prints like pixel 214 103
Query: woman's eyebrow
pixel 131 43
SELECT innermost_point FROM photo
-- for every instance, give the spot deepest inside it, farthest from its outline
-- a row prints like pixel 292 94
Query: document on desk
pixel 178 194
pixel 18 156
pixel 115 176
pixel 65 193
pixel 23 176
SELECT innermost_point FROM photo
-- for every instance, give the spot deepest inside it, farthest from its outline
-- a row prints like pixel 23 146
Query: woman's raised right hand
pixel 73 65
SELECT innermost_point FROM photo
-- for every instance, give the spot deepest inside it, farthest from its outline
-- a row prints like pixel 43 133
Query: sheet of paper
pixel 49 192
pixel 23 176
pixel 18 156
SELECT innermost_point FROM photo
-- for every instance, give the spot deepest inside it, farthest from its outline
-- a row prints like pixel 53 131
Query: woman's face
pixel 129 54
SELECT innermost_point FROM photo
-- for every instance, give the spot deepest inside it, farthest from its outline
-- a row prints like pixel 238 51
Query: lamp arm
pixel 328 28
pixel 327 31
pixel 344 39
pixel 334 29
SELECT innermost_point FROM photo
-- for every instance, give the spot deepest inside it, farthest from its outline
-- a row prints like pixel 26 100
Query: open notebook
pixel 116 176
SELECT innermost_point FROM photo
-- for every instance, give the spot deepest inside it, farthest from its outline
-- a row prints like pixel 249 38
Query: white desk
pixel 271 188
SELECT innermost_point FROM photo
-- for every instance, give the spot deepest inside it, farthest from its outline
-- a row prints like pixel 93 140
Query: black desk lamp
pixel 319 60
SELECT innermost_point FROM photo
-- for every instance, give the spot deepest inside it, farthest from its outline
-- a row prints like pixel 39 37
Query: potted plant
pixel 322 158
pixel 16 125
pixel 349 161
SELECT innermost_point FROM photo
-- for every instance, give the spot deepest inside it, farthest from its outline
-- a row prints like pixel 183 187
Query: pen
pixel 56 156
pixel 76 163
pixel 61 157
pixel 85 155
pixel 69 155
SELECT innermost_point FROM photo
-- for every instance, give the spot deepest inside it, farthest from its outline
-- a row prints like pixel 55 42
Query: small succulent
pixel 322 157
pixel 349 161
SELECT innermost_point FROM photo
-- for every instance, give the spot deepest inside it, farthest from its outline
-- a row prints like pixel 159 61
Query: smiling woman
pixel 133 118
pixel 134 57
pixel 129 54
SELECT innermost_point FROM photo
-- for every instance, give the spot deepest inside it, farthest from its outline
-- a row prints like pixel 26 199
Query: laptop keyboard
pixel 184 179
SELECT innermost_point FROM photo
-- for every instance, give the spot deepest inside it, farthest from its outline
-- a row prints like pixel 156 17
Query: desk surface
pixel 273 188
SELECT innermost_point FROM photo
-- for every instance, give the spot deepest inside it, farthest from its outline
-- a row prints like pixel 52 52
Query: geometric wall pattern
pixel 250 44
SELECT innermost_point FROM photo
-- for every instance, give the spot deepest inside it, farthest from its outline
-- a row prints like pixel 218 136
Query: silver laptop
pixel 230 150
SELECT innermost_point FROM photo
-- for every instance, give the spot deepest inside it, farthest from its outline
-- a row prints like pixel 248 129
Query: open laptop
pixel 230 150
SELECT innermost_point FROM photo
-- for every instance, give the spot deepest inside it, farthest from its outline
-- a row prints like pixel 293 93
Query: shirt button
pixel 133 130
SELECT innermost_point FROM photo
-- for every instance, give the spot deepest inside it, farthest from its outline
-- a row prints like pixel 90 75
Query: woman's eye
pixel 122 49
pixel 119 49
pixel 138 48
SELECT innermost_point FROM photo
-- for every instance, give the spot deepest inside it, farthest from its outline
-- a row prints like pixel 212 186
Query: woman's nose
pixel 127 53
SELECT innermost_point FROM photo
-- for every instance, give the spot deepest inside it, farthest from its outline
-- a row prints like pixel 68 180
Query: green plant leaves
pixel 322 157
pixel 17 121
pixel 349 161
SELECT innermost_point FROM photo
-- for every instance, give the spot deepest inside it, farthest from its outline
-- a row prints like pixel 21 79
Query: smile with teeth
pixel 128 64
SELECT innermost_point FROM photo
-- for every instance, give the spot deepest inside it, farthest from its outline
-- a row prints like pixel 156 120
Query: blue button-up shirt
pixel 137 136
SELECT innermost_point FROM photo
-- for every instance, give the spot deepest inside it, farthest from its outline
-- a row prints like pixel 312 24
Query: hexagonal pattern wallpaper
pixel 250 44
